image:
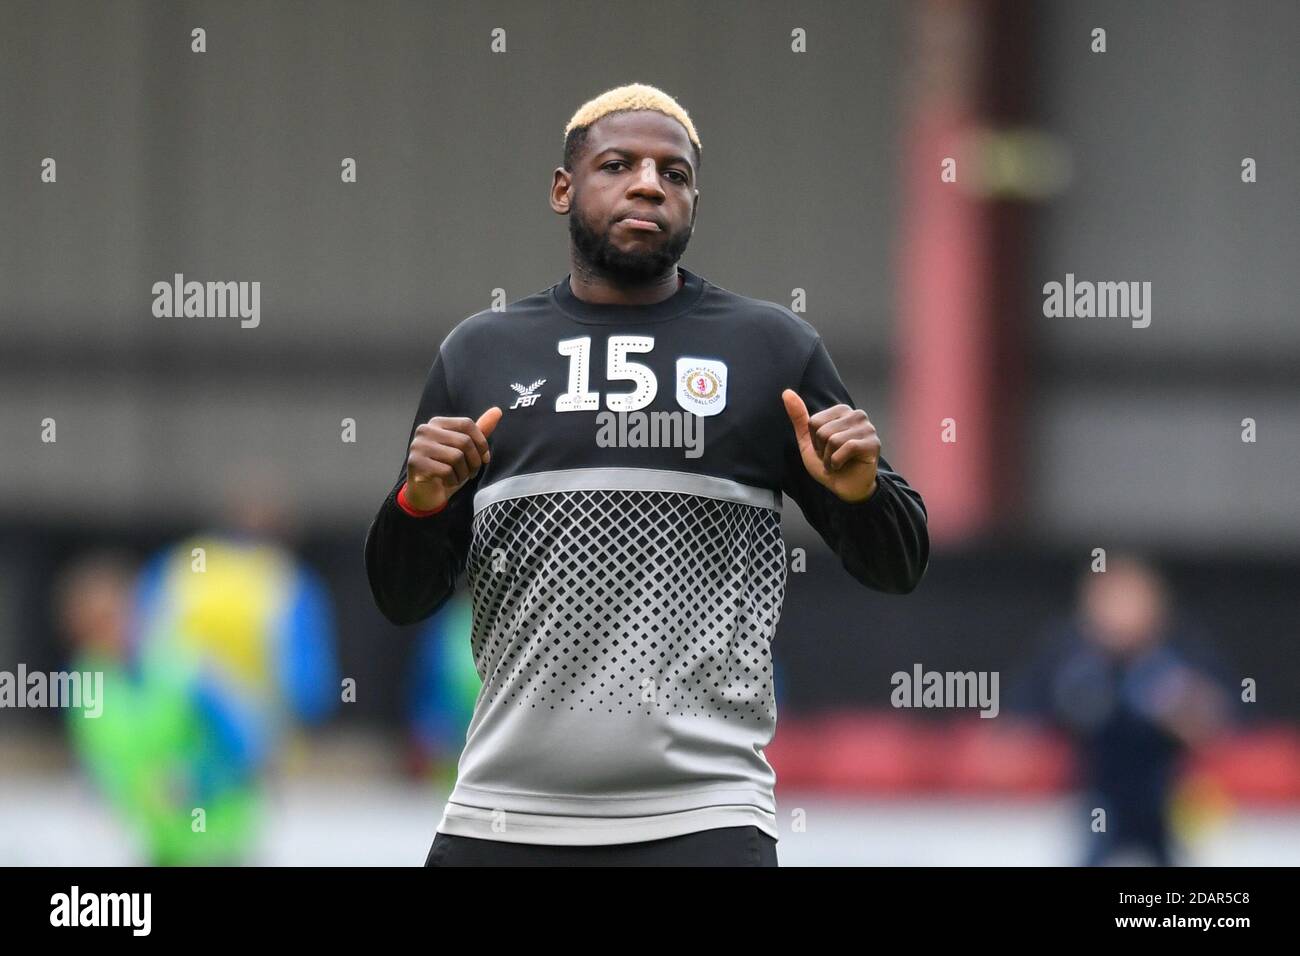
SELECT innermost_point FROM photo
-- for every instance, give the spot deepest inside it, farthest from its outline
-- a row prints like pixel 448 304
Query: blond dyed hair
pixel 633 96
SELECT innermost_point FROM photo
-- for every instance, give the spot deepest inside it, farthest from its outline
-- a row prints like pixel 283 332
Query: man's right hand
pixel 445 453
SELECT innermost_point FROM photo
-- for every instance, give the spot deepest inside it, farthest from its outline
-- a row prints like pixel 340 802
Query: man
pixel 168 737
pixel 1136 688
pixel 625 598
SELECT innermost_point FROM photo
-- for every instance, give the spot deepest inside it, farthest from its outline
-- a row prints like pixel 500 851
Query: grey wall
pixel 1137 432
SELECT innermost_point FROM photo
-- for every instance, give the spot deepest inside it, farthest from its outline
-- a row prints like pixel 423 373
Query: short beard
pixel 625 268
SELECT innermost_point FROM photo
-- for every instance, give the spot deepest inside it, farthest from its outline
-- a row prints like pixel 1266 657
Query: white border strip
pixel 626 479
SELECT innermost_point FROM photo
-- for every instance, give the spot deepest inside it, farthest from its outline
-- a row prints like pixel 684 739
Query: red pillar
pixel 959 329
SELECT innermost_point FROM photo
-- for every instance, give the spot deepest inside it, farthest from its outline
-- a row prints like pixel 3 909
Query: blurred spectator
pixel 166 742
pixel 441 693
pixel 260 622
pixel 1128 682
pixel 212 656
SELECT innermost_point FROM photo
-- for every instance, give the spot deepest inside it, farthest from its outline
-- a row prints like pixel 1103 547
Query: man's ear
pixel 561 195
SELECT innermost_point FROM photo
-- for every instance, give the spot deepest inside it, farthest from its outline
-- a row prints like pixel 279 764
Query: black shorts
pixel 721 846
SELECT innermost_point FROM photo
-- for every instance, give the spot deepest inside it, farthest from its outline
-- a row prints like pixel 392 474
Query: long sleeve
pixel 882 542
pixel 412 563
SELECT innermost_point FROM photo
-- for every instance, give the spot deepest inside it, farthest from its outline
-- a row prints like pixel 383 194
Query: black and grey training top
pixel 626 578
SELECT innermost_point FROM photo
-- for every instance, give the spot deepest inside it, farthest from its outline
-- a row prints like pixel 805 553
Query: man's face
pixel 632 196
pixel 1125 608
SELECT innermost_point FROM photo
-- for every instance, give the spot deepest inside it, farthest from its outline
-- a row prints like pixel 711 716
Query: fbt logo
pixel 527 396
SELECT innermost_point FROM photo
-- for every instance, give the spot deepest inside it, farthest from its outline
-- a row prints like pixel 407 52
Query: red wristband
pixel 415 512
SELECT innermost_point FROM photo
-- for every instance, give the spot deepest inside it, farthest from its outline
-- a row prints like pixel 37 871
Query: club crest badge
pixel 702 385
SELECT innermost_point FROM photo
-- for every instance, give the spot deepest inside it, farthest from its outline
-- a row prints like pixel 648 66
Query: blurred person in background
pixel 168 741
pixel 228 646
pixel 1135 690
pixel 259 619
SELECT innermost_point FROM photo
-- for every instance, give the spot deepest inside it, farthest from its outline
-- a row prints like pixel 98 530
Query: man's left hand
pixel 839 447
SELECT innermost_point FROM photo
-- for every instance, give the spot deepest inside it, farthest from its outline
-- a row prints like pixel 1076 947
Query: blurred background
pixel 263 453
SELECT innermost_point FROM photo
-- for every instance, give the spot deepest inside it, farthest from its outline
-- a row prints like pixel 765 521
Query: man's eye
pixel 678 176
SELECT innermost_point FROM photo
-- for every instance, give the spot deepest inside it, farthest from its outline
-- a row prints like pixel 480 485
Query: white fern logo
pixel 526 395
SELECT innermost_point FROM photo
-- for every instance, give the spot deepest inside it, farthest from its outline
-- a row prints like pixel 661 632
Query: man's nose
pixel 647 177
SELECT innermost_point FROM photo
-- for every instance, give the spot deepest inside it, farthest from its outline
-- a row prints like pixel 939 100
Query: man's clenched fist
pixel 445 453
pixel 839 446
